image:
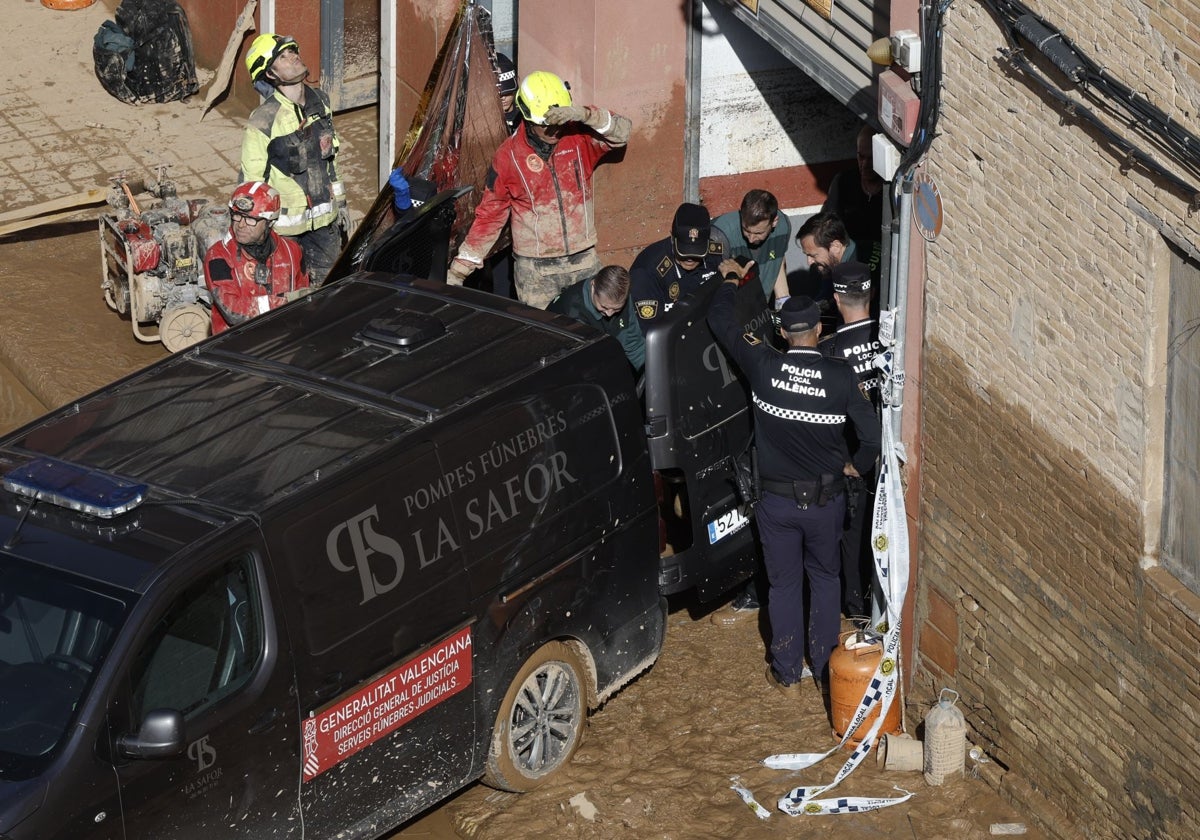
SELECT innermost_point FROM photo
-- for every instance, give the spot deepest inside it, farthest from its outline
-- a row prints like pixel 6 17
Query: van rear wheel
pixel 541 720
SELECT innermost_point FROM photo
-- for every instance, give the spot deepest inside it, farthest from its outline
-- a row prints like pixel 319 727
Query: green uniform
pixel 575 301
pixel 768 257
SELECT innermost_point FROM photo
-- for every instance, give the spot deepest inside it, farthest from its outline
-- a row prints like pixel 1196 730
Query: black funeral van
pixel 310 576
pixel 696 404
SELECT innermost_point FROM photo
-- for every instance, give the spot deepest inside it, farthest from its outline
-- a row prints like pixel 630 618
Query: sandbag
pixel 146 54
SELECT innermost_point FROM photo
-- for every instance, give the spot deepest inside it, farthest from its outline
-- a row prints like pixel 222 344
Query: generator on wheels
pixel 151 260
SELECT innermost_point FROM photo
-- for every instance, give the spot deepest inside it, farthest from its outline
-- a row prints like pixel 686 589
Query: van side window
pixel 204 646
pixel 54 635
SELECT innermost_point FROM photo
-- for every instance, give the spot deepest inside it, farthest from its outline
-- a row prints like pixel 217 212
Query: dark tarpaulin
pixel 454 133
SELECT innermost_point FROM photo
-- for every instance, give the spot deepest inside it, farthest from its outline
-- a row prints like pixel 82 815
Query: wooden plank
pixel 13 227
pixel 220 82
pixel 82 199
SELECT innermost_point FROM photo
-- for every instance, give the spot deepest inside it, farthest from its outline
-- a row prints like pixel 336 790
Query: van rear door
pixel 698 415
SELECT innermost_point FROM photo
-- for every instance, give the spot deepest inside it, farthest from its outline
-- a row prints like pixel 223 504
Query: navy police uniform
pixel 802 402
pixel 506 85
pixel 659 281
pixel 657 278
pixel 857 343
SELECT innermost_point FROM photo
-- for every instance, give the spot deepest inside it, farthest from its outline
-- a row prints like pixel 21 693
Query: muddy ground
pixel 658 760
pixel 659 756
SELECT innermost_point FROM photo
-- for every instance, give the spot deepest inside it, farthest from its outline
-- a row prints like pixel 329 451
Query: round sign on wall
pixel 927 206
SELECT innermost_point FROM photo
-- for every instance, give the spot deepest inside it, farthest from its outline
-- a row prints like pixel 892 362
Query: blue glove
pixel 402 196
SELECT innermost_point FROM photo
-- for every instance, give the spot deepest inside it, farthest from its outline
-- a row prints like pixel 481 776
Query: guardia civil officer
pixel 671 269
pixel 603 302
pixel 857 343
pixel 802 402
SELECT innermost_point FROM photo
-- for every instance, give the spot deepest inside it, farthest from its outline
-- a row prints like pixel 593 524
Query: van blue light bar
pixel 75 488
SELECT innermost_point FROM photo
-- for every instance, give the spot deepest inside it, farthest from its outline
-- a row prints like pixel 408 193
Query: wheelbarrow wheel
pixel 183 326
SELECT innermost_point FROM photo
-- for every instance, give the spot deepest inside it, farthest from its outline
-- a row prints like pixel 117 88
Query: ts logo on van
pixel 365 543
pixel 202 753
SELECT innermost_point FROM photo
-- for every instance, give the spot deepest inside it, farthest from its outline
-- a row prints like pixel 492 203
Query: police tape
pixel 854 804
pixel 746 796
pixel 889 545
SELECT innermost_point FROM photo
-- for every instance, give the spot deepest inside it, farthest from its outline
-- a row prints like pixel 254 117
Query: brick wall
pixel 1039 597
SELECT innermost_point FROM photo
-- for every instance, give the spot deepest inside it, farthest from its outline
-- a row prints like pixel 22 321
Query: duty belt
pixel 805 492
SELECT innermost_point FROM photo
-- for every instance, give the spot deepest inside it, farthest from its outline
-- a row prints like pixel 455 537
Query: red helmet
pixel 256 200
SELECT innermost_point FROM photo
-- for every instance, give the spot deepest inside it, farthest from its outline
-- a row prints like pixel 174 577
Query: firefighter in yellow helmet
pixel 290 143
pixel 541 183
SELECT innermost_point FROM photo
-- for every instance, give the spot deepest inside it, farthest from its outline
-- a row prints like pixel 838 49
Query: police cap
pixel 799 313
pixel 421 190
pixel 506 75
pixel 690 231
pixel 850 278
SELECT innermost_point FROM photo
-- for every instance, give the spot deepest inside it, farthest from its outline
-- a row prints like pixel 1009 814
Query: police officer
pixel 603 302
pixel 856 342
pixel 506 86
pixel 672 268
pixel 802 401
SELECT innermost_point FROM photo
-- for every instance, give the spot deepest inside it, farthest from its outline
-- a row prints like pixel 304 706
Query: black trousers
pixel 858 561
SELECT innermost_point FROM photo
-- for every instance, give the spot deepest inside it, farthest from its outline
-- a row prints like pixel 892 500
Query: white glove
pixel 458 272
pixel 296 294
pixel 561 115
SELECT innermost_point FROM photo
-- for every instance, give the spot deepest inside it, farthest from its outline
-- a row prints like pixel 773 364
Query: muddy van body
pixel 317 573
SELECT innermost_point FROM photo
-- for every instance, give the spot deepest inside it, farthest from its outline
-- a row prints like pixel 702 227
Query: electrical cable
pixel 1103 90
pixel 929 92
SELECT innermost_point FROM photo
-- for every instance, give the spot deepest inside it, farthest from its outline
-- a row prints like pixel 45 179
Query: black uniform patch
pixel 715 247
pixel 673 291
pixel 664 266
pixel 751 339
pixel 646 309
pixel 218 269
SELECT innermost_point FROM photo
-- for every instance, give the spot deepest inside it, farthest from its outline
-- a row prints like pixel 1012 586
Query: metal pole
pixel 266 16
pixel 887 268
pixel 691 101
pixel 900 295
pixel 388 45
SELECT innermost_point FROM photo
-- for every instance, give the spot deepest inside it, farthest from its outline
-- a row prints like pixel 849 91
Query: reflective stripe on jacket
pixel 294 149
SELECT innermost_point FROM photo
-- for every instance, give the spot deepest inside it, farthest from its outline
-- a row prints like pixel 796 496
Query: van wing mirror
pixel 159 736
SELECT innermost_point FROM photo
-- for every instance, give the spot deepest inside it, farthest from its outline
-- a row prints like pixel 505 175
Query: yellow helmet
pixel 539 92
pixel 263 50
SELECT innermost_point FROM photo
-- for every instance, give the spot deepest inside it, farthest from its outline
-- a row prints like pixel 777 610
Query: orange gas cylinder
pixel 851 667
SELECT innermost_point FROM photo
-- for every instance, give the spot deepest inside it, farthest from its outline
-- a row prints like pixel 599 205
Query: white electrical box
pixel 906 50
pixel 885 158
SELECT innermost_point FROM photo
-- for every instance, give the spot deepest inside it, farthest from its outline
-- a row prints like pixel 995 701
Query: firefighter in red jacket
pixel 252 269
pixel 541 182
